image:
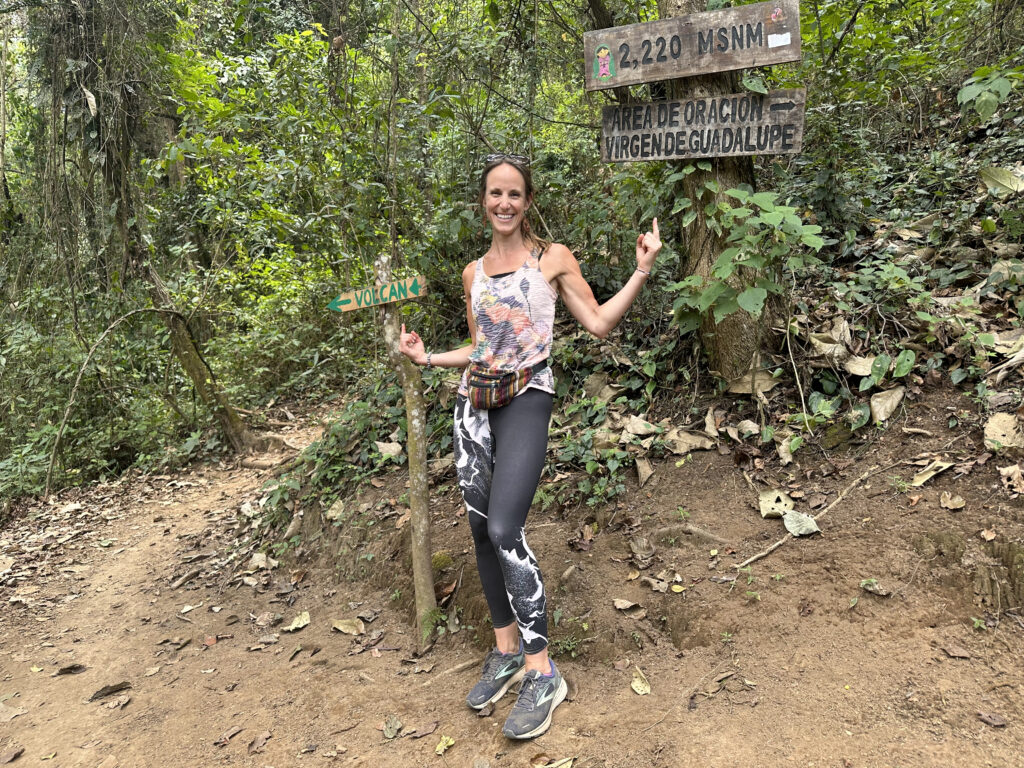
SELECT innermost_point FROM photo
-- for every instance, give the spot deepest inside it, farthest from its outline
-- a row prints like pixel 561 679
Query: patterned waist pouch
pixel 492 388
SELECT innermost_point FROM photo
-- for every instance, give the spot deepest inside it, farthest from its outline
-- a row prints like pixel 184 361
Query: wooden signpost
pixel 710 126
pixel 721 125
pixel 360 298
pixel 714 41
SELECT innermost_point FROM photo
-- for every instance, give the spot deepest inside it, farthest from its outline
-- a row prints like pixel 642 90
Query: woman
pixel 499 452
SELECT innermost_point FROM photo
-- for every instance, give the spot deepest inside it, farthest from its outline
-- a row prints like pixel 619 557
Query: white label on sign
pixel 777 41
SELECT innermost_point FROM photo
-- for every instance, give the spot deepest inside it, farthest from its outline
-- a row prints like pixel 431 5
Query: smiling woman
pixel 501 423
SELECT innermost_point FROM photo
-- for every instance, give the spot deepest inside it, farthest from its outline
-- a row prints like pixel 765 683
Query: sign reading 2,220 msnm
pixel 715 41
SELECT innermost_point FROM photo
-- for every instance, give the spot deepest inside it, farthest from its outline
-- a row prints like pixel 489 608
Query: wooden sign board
pixel 709 126
pixel 714 41
pixel 360 298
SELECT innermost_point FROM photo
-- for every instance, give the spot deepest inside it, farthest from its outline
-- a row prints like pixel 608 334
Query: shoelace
pixel 493 662
pixel 528 692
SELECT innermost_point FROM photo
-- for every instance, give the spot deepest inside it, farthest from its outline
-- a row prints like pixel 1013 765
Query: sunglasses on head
pixel 522 160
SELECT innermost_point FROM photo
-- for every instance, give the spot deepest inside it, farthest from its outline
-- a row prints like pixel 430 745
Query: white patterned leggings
pixel 499 455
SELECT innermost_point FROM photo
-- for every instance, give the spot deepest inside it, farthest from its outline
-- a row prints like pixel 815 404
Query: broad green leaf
pixel 711 294
pixel 755 83
pixel 986 105
pixel 764 200
pixel 812 241
pixel 752 300
pixel 681 203
pixel 859 416
pixel 904 363
pixel 968 93
pixel 724 308
pixel 880 367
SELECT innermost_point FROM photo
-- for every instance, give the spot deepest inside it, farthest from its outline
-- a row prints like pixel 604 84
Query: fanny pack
pixel 493 388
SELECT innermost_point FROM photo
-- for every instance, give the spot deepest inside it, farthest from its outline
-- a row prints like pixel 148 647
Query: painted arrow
pixel 398 290
pixel 786 105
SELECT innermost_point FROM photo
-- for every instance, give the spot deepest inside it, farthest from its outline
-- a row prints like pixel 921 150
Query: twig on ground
pixel 825 511
pixel 692 530
pixel 454 670
pixel 686 697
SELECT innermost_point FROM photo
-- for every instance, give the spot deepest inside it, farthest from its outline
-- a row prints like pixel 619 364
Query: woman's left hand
pixel 647 246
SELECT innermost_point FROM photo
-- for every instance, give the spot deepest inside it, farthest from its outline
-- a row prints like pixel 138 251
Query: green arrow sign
pixel 409 288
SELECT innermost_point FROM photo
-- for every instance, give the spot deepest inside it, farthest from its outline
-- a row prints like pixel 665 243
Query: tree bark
pixel 732 345
pixel 412 387
pixel 187 352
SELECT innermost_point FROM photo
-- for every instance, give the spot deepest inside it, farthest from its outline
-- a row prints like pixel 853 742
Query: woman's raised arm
pixel 600 319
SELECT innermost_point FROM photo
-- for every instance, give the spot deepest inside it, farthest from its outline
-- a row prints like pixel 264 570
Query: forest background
pixel 186 186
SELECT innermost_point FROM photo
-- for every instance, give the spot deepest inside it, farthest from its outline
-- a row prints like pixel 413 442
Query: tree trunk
pixel 187 352
pixel 732 346
pixel 412 387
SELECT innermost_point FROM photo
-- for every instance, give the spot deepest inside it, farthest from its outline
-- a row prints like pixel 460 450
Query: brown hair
pixel 525 229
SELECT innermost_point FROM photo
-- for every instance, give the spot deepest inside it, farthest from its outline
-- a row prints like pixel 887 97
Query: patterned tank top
pixel 515 317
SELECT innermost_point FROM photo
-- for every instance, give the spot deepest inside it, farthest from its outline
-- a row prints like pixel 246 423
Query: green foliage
pixel 765 241
pixel 987 88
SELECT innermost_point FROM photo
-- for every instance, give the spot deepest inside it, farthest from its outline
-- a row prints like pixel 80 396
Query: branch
pixel 825 511
pixel 78 381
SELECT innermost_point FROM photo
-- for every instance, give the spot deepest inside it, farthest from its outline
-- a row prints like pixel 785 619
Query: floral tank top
pixel 515 317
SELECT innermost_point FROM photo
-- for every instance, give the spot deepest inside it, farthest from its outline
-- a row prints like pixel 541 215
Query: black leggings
pixel 499 455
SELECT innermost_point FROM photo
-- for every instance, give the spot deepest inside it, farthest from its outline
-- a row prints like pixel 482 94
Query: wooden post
pixel 412 387
pixel 732 345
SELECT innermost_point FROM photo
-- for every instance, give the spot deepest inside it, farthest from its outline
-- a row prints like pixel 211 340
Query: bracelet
pixel 429 364
pixel 643 271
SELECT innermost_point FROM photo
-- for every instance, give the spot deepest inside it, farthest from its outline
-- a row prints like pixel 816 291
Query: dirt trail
pixel 776 668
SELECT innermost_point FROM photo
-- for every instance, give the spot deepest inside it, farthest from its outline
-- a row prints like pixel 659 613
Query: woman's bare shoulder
pixel 468 273
pixel 558 260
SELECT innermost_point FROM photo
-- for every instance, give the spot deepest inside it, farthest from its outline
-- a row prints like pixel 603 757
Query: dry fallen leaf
pixel 258 743
pixel 929 472
pixel 774 503
pixel 640 685
pixel 643 471
pixel 1013 478
pixel 631 609
pixel 446 743
pixel 991 718
pixel 884 404
pixel 949 501
pixel 298 622
pixel 349 626
pixel 956 652
pixel 988 535
pixel 1003 431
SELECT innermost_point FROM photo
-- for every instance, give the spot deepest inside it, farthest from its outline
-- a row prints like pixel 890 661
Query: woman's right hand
pixel 411 345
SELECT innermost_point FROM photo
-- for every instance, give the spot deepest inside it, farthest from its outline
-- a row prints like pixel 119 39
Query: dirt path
pixel 775 668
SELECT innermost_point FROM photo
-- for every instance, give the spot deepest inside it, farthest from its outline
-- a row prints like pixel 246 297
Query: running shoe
pixel 501 671
pixel 538 697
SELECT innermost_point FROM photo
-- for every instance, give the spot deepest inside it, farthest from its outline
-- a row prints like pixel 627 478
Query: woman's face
pixel 505 202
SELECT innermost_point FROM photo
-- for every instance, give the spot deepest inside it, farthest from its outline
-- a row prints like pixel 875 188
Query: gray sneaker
pixel 500 673
pixel 538 697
